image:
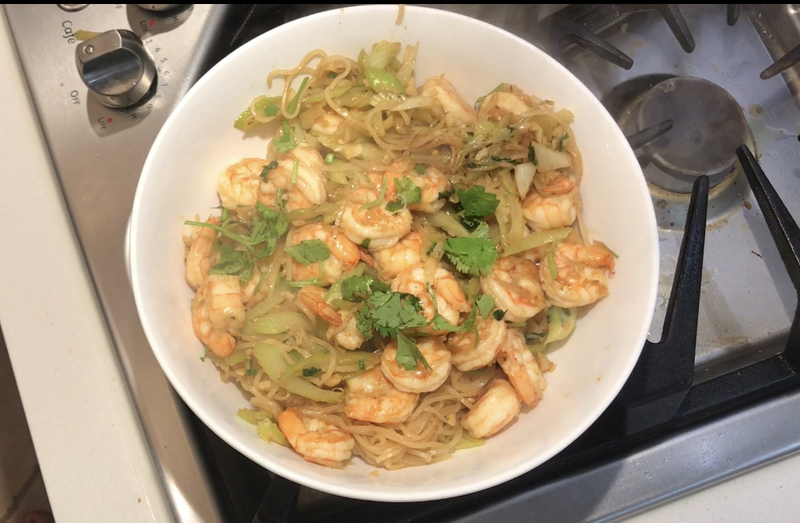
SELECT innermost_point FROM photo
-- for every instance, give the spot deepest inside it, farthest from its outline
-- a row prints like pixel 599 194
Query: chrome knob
pixel 158 7
pixel 116 66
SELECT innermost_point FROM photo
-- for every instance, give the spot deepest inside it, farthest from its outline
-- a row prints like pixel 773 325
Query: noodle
pixel 396 262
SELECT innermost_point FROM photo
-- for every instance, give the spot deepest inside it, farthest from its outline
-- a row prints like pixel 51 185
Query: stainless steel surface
pixel 98 154
pixel 116 67
pixel 747 302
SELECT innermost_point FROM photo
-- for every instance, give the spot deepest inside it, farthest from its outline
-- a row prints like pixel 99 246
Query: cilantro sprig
pixel 285 142
pixel 476 202
pixel 359 288
pixel 387 312
pixel 408 354
pixel 266 228
pixel 267 168
pixel 309 251
pixel 407 194
pixel 473 255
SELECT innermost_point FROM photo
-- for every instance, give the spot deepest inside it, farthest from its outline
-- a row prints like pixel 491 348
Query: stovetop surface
pixel 747 302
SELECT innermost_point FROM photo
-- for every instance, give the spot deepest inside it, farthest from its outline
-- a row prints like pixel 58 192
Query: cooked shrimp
pixel 553 182
pixel 344 254
pixel 519 364
pixel 346 334
pixel 432 182
pixel 313 299
pixel 551 211
pixel 392 260
pixel 327 123
pixel 218 313
pixel 373 228
pixel 581 274
pixel 514 283
pixel 495 408
pixel 238 185
pixel 254 291
pixel 450 300
pixel 202 255
pixel 419 379
pixel 371 397
pixel 304 190
pixel 509 100
pixel 315 440
pixel 466 355
pixel 457 112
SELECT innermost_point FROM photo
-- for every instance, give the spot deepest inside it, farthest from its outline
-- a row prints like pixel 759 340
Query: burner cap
pixel 708 127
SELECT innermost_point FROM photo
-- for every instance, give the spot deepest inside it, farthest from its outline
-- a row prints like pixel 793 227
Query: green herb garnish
pixel 309 251
pixel 532 155
pixel 296 99
pixel 285 142
pixel 474 255
pixel 408 353
pixel 267 168
pixel 477 202
pixel 407 194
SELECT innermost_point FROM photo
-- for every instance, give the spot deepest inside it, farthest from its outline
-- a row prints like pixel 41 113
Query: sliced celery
pixel 270 358
pixel 538 239
pixel 278 322
pixel 268 431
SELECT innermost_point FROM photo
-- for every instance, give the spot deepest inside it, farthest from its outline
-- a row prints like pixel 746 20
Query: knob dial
pixel 158 7
pixel 117 67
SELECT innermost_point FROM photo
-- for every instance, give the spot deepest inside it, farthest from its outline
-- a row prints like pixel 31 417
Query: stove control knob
pixel 158 7
pixel 117 67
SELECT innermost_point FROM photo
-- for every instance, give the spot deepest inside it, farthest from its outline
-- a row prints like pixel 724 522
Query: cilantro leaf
pixel 391 312
pixel 561 141
pixel 309 251
pixel 532 155
pixel 471 223
pixel 285 142
pixel 361 287
pixel 477 202
pixel 408 354
pixel 268 226
pixel 232 262
pixel 485 304
pixel 407 194
pixel 474 255
pixel 267 168
pixel 420 168
pixel 311 371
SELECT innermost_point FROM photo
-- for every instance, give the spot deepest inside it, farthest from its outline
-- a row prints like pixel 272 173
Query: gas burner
pixel 708 127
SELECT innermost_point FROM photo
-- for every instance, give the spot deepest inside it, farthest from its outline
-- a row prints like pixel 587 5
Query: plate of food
pixel 393 253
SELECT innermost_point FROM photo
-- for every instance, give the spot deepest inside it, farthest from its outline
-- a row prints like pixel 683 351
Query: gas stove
pixel 688 85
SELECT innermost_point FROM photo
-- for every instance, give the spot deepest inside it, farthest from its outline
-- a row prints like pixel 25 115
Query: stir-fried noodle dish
pixel 386 280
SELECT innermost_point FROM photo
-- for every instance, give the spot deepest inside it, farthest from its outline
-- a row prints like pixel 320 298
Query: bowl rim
pixel 364 492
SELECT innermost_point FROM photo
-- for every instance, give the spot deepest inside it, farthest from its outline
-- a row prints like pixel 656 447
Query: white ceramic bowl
pixel 198 141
